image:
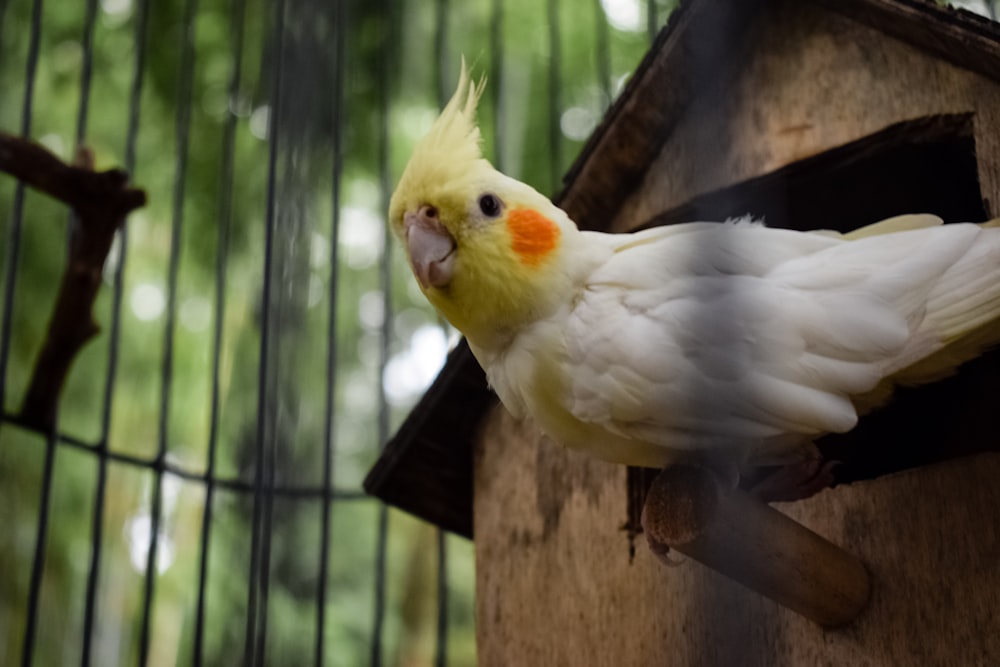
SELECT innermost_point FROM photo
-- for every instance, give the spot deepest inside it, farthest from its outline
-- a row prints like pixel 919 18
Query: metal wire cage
pixel 197 500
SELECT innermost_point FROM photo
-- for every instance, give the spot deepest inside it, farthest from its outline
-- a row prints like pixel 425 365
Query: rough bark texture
pixel 101 201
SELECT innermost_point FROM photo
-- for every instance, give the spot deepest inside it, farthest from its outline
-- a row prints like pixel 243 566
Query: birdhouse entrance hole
pixel 927 165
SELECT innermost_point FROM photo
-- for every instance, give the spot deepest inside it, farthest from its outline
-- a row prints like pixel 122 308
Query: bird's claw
pixel 797 481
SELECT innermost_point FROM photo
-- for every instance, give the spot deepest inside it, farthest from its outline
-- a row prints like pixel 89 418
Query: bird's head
pixel 485 248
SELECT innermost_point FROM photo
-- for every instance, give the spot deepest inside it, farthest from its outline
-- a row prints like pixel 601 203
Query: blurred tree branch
pixel 101 201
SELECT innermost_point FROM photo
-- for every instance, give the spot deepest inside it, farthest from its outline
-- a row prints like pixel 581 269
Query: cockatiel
pixel 725 344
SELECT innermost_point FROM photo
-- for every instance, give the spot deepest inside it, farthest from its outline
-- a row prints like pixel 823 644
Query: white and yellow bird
pixel 730 344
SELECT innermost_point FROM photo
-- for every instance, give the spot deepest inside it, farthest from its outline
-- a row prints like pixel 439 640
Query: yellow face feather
pixel 448 154
pixel 484 246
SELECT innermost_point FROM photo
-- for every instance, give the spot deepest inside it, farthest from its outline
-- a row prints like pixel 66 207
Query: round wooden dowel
pixel 756 545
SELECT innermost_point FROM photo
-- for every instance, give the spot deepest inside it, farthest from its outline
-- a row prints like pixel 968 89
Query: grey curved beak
pixel 430 247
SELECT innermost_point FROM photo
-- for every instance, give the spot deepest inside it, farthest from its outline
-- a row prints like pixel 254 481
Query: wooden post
pixel 755 545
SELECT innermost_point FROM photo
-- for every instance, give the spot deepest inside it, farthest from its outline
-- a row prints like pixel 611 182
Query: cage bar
pixel 256 625
pixel 101 449
pixel 17 221
pixel 266 483
pixel 17 214
pixel 602 53
pixel 385 62
pixel 339 36
pixel 237 22
pixel 555 97
pixel 496 78
pixel 181 132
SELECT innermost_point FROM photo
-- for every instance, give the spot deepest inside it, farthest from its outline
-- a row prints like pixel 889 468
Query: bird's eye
pixel 489 205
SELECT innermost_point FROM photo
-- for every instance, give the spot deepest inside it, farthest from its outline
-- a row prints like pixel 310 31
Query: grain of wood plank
pixel 555 585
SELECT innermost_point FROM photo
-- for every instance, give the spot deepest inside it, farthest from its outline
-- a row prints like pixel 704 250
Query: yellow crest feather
pixel 448 152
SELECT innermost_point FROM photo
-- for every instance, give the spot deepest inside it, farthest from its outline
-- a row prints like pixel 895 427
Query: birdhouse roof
pixel 427 467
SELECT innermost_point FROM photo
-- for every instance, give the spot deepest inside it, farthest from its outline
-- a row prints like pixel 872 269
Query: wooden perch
pixel 101 201
pixel 756 545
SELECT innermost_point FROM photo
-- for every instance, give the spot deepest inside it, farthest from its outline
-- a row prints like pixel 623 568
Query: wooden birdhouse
pixel 811 115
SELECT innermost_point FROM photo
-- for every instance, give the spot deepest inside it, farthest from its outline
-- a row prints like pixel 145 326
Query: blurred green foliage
pixel 402 44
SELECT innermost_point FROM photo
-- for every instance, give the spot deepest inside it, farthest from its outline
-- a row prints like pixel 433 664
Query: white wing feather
pixel 705 338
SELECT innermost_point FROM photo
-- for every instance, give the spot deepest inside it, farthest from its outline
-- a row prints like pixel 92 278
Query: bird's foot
pixel 796 481
pixel 679 504
pixel 661 551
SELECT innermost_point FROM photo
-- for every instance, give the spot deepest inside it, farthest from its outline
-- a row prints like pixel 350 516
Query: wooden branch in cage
pixel 101 202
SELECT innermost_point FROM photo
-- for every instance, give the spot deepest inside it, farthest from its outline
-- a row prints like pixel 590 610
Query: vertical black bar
pixel 440 68
pixel 265 55
pixel 17 214
pixel 86 74
pixel 263 478
pixel 496 83
pixel 135 103
pixel 381 536
pixel 28 642
pixel 3 12
pixel 441 653
pixel 385 279
pixel 86 70
pixel 97 517
pixel 38 562
pixel 651 21
pixel 602 52
pixel 97 526
pixel 441 50
pixel 237 22
pixel 339 36
pixel 274 122
pixel 181 132
pixel 555 134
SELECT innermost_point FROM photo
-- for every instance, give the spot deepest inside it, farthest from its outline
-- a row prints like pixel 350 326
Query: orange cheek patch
pixel 533 235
